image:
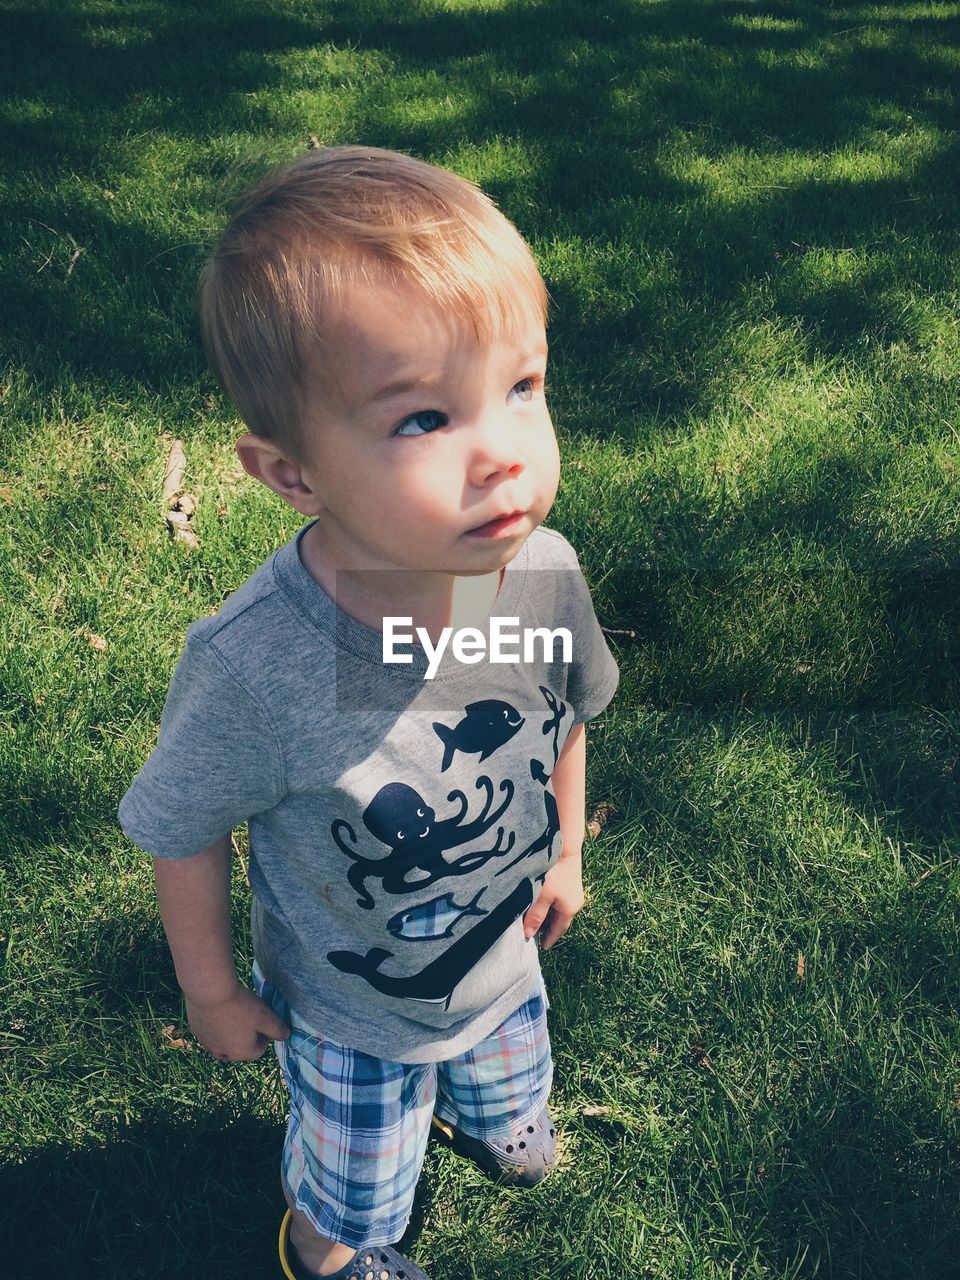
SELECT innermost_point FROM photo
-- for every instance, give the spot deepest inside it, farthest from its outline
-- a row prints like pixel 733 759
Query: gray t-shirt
pixel 399 826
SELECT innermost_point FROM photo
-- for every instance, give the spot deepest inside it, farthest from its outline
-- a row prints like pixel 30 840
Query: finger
pixel 532 923
pixel 259 1047
pixel 245 1054
pixel 558 926
pixel 251 1055
pixel 536 915
pixel 275 1027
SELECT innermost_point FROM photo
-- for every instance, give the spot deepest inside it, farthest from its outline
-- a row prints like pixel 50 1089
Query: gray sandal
pixel 522 1158
pixel 372 1262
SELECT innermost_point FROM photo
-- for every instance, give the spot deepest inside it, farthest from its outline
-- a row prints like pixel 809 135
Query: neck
pixel 432 600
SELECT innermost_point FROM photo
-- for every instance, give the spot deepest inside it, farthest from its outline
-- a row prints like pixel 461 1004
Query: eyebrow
pixel 401 385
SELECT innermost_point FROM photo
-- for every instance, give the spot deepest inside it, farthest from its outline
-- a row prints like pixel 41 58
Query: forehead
pixel 382 332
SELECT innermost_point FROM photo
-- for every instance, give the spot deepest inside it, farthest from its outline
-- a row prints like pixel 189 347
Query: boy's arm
pixel 570 790
pixel 562 894
pixel 193 894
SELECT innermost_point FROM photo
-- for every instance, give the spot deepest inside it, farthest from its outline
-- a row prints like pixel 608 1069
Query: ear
pixel 265 462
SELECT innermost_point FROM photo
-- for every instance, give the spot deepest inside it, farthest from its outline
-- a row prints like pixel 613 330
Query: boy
pixel 380 327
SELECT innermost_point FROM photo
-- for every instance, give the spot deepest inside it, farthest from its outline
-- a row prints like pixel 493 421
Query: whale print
pixel 434 919
pixel 436 982
pixel 486 726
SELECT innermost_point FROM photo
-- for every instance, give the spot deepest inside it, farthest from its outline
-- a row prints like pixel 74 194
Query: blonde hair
pixel 306 233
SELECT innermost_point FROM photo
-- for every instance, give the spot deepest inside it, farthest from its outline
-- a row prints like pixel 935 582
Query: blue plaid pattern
pixel 358 1125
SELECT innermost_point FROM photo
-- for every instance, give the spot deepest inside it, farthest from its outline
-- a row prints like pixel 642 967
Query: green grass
pixel 747 217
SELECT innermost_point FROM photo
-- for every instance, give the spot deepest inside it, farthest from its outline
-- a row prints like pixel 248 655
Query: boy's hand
pixel 236 1028
pixel 558 902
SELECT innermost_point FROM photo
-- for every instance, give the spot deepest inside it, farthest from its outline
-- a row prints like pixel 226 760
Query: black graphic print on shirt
pixel 545 839
pixel 400 818
pixel 486 726
pixel 434 919
pixel 558 707
pixel 436 982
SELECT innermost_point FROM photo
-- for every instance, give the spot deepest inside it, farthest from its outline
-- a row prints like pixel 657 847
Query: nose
pixel 495 449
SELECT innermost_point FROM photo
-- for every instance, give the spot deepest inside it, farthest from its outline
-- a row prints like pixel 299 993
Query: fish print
pixel 486 726
pixel 434 919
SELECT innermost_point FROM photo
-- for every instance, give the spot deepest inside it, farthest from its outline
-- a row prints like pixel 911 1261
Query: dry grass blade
pixel 173 475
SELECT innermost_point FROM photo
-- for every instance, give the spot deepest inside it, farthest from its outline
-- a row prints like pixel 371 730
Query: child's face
pixel 402 476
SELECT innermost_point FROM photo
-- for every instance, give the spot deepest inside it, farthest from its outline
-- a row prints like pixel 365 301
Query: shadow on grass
pixel 605 107
pixel 591 98
pixel 162 1198
pixel 189 1188
pixel 854 1186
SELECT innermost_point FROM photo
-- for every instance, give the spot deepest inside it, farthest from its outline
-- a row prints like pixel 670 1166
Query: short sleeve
pixel 593 675
pixel 217 761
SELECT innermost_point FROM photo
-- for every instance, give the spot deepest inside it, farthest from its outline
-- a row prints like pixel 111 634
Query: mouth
pixel 508 523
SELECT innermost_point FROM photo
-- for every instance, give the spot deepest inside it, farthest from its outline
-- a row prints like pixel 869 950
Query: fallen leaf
pixel 174 1041
pixel 186 503
pixel 801 965
pixel 599 818
pixel 73 261
pixel 700 1055
pixel 179 524
pixel 96 642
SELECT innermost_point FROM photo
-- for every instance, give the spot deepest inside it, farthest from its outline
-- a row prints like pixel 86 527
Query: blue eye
pixel 427 419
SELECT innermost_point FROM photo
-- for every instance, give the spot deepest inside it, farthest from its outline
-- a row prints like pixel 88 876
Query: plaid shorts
pixel 358 1125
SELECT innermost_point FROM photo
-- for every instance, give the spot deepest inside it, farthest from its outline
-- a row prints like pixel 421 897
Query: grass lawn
pixel 747 217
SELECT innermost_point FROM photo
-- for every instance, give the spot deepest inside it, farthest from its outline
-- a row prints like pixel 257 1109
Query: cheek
pixel 423 498
pixel 549 475
pixel 548 455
